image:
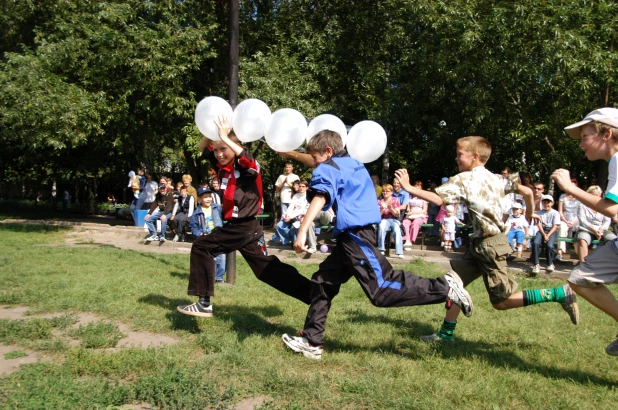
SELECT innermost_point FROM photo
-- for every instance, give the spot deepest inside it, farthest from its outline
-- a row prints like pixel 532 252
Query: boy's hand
pixel 224 126
pixel 404 178
pixel 563 179
pixel 299 244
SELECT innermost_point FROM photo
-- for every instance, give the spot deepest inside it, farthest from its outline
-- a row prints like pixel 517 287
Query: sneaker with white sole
pixel 535 269
pixel 435 338
pixel 612 349
pixel 176 237
pixel 400 256
pixel 300 344
pixel 161 239
pixel 195 309
pixel 458 295
pixel 311 250
pixel 570 304
pixel 551 268
pixel 152 238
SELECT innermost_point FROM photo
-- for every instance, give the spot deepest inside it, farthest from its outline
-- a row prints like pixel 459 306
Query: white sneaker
pixel 152 238
pixel 195 309
pixel 400 256
pixel 301 345
pixel 535 269
pixel 382 252
pixel 176 237
pixel 311 250
pixel 550 268
pixel 161 239
pixel 458 295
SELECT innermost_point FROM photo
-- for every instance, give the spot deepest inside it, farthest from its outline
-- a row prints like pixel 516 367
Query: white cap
pixel 450 208
pixel 605 115
pixel 547 198
pixel 516 205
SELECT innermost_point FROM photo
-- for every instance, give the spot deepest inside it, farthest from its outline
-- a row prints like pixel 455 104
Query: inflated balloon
pixel 286 130
pixel 250 119
pixel 366 141
pixel 327 122
pixel 207 111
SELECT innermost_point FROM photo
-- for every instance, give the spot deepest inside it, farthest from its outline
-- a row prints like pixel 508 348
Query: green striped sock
pixel 535 296
pixel 447 330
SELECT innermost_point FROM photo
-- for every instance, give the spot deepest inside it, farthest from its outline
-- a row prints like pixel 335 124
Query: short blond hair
pixel 594 188
pixel 387 187
pixel 187 177
pixel 476 145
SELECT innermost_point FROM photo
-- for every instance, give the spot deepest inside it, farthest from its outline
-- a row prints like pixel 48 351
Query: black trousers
pixel 355 255
pixel 247 237
pixel 179 222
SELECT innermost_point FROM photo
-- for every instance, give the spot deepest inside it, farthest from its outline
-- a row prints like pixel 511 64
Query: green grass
pixel 517 359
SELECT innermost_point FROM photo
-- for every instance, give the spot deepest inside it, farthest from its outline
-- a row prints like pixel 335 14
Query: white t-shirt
pixel 517 223
pixel 611 192
pixel 449 223
pixel 286 191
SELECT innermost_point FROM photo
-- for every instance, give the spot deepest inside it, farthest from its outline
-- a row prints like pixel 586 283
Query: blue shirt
pixel 403 196
pixel 348 189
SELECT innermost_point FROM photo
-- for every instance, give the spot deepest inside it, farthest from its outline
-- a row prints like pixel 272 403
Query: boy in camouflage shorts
pixel 482 191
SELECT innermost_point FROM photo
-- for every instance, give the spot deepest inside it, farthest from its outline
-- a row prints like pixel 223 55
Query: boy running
pixel 599 140
pixel 241 183
pixel 342 182
pixel 482 191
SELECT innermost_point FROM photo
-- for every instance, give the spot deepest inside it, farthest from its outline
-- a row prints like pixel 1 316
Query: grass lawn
pixel 373 358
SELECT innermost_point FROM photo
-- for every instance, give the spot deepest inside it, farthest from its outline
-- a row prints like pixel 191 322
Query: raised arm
pixel 404 180
pixel 301 157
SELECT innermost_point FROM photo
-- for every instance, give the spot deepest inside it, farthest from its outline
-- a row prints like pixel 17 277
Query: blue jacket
pixel 197 224
pixel 348 189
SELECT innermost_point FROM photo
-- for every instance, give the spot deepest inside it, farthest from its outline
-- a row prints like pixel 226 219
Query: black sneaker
pixel 195 309
pixel 612 349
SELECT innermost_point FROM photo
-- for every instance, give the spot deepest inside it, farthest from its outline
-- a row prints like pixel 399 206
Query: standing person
pixel 284 186
pixel 204 220
pixel 567 208
pixel 517 228
pixel 341 181
pixel 183 209
pixel 389 212
pixel 547 221
pixel 416 215
pixel 592 224
pixel 241 177
pixel 449 228
pixel 486 256
pixel 65 200
pixel 161 209
pixel 598 133
pixel 186 181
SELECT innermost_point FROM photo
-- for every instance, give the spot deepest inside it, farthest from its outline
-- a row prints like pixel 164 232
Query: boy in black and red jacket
pixel 241 182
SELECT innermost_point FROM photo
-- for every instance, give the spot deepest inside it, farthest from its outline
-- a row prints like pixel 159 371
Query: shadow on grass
pixel 33 228
pixel 246 320
pixel 499 355
pixel 180 275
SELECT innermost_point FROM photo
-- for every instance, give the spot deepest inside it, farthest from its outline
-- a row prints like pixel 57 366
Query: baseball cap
pixel 450 208
pixel 444 180
pixel 607 115
pixel 516 205
pixel 547 198
pixel 162 186
pixel 202 191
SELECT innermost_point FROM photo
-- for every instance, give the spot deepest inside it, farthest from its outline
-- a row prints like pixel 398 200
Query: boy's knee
pixel 499 306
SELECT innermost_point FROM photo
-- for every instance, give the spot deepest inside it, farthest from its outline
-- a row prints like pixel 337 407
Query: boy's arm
pixel 301 157
pixel 404 180
pixel 603 205
pixel 223 124
pixel 317 203
pixel 204 144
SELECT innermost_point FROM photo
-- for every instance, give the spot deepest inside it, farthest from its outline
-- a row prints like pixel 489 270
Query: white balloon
pixel 286 130
pixel 366 141
pixel 327 122
pixel 250 119
pixel 207 111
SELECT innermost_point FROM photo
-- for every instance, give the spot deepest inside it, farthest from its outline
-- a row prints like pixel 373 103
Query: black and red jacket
pixel 241 183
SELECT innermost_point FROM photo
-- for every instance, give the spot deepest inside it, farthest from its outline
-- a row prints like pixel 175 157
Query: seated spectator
pixel 517 228
pixel 288 226
pixel 186 181
pixel 389 210
pixel 217 192
pixel 567 208
pixel 183 209
pixel 449 228
pixel 401 195
pixel 592 225
pixel 547 221
pixel 416 215
pixel 206 217
pixel 161 209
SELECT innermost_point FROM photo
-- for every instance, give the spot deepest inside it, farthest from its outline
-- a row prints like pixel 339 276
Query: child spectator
pixel 517 228
pixel 389 212
pixel 341 181
pixel 592 224
pixel 161 209
pixel 567 208
pixel 183 209
pixel 207 217
pixel 486 256
pixel 547 221
pixel 449 228
pixel 240 177
pixel 599 140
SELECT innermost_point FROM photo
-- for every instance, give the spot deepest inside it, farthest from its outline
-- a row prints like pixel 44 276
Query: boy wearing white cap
pixel 517 228
pixel 482 190
pixel 547 221
pixel 599 140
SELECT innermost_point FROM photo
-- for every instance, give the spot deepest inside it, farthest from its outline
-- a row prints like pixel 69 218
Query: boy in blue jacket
pixel 205 218
pixel 343 183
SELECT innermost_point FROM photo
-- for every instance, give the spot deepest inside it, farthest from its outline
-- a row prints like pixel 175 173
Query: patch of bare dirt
pixel 8 366
pixel 252 403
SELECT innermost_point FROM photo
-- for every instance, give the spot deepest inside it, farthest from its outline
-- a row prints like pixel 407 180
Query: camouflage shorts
pixel 486 257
